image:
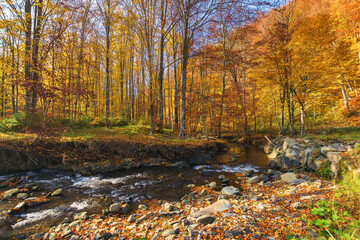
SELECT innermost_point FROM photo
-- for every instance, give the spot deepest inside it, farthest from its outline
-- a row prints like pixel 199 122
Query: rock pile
pixel 286 153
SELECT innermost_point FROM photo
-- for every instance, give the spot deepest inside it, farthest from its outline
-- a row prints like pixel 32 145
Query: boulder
pixel 288 177
pixel 289 143
pixel 168 232
pixel 218 206
pixel 205 219
pixel 114 208
pixel 333 148
pixel 278 163
pixel 230 190
pixel 274 154
pixel 80 216
pixel 255 179
pixel 315 164
pixel 334 156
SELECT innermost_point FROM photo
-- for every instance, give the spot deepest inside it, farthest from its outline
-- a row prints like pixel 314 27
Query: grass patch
pixel 349 134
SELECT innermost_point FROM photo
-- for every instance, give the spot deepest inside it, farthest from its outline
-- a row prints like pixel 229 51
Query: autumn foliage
pixel 198 66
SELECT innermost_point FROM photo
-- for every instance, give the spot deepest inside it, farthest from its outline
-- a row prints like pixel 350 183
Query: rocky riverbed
pixel 271 207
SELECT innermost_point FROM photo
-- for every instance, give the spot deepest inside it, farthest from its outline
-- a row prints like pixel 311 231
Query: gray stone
pixel 67 233
pixel 222 177
pixel 218 206
pixel 264 177
pixel 22 195
pixel 288 177
pixel 289 143
pixel 168 232
pixel 168 207
pixel 75 223
pixel 295 205
pixel 333 148
pixel 114 208
pixel 203 193
pixel 255 179
pixel 143 207
pixel 125 208
pixel 248 173
pixel 230 190
pixel 58 192
pixel 213 185
pixel 205 219
pixel 132 218
pixel 236 232
pixel 334 156
pixel 12 192
pixel 80 216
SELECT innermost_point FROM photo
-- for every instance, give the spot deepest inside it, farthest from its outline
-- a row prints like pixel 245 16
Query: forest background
pixel 188 66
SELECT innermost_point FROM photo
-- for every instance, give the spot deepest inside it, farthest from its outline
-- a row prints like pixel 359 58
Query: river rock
pixel 11 193
pixel 288 177
pixel 213 185
pixel 255 179
pixel 236 232
pixel 168 207
pixel 67 233
pixel 22 195
pixel 218 206
pixel 248 173
pixel 132 218
pixel 168 232
pixel 80 216
pixel 58 192
pixel 203 193
pixel 222 177
pixel 125 208
pixel 75 223
pixel 114 208
pixel 230 190
pixel 205 219
pixel 143 207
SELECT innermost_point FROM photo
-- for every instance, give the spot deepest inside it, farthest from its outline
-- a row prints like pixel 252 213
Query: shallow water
pixel 94 193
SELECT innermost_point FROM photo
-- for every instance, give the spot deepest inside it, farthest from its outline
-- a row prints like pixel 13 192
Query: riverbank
pixel 104 154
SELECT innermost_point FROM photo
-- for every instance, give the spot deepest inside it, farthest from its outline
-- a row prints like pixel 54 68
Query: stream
pixel 95 193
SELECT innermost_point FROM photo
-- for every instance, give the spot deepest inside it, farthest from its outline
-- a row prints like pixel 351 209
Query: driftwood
pixel 269 141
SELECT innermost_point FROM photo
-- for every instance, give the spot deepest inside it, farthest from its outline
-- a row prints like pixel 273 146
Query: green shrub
pixel 14 123
pixel 98 122
pixel 325 169
pixel 333 222
pixel 119 121
pixel 83 121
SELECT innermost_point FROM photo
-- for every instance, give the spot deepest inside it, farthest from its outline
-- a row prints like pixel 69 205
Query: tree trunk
pixel 302 118
pixel 185 56
pixel 107 69
pixel 27 70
